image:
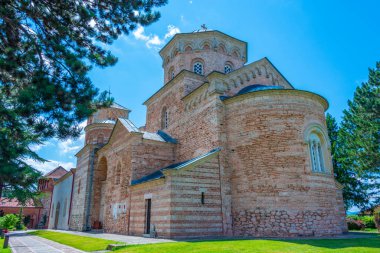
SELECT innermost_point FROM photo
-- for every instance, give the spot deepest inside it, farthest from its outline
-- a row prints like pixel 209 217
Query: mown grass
pixel 1 247
pixel 79 242
pixel 365 245
pixel 358 245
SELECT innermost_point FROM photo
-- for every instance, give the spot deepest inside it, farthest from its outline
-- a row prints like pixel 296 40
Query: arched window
pixel 198 68
pixel 316 153
pixel 79 185
pixel 227 68
pixel 164 118
pixel 171 73
pixel 118 174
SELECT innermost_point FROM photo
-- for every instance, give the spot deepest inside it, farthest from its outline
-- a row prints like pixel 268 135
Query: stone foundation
pixel 280 223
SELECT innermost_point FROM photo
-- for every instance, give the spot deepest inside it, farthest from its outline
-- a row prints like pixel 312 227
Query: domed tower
pixel 101 123
pixel 202 52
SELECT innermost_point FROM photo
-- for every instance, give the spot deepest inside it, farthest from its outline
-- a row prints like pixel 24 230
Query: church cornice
pixel 281 92
pixel 204 34
pixel 179 77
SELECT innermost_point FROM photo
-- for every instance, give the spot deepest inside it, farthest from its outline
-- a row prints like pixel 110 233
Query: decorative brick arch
pixel 313 131
pixel 100 176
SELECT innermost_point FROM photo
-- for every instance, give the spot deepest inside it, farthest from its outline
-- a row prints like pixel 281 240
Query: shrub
pixel 369 221
pixel 9 221
pixel 355 224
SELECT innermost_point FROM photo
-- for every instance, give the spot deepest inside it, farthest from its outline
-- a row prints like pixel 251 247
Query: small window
pixel 164 118
pixel 198 68
pixel 118 174
pixel 79 185
pixel 227 68
pixel 203 198
pixel 316 153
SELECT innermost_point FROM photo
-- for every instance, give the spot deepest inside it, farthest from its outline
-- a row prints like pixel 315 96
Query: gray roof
pixel 253 88
pixel 176 166
pixel 159 136
pixel 118 106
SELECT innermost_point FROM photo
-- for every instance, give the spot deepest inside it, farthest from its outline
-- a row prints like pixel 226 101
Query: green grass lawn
pixel 367 245
pixel 75 241
pixel 359 245
pixel 1 247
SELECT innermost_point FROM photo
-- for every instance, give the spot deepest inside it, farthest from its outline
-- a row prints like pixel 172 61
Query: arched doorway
pixel 56 218
pixel 100 177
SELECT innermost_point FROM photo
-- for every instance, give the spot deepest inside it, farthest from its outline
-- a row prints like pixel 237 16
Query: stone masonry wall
pixel 78 207
pixel 274 191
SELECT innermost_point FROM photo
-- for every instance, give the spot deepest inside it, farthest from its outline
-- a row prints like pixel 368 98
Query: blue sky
pixel 321 46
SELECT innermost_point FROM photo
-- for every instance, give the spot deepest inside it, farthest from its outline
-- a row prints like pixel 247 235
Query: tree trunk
pixel 1 189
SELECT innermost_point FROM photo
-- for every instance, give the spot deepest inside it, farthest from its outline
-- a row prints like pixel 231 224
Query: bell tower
pixel 100 124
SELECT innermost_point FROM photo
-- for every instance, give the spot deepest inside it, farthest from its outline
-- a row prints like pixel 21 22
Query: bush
pixel 9 221
pixel 367 220
pixel 355 224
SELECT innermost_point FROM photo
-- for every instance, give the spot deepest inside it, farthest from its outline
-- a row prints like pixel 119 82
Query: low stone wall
pixel 280 223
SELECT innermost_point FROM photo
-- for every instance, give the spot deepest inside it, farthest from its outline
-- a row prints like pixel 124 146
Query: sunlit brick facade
pixel 229 149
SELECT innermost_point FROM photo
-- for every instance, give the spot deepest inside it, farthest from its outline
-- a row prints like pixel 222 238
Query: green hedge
pixel 368 221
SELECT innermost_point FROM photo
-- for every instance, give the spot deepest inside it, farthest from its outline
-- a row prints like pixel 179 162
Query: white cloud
pixel 153 39
pixel 190 2
pixel 49 166
pixel 139 34
pixel 68 146
pixel 172 30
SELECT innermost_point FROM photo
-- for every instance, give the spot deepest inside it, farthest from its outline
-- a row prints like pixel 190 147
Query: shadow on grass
pixel 352 239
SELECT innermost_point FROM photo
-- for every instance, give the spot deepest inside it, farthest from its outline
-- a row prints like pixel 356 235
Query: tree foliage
pixel 354 191
pixel 356 152
pixel 47 49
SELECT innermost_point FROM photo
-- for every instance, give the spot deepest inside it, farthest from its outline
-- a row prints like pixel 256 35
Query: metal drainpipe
pixel 87 226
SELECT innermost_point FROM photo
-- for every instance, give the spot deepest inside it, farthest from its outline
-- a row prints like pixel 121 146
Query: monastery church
pixel 229 149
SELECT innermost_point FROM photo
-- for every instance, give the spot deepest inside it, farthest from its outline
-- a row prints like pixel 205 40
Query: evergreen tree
pixel 46 51
pixel 359 142
pixel 354 191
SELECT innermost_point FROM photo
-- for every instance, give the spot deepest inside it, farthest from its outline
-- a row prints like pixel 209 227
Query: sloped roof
pixel 56 173
pixel 6 202
pixel 118 106
pixel 159 136
pixel 176 166
pixel 253 88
